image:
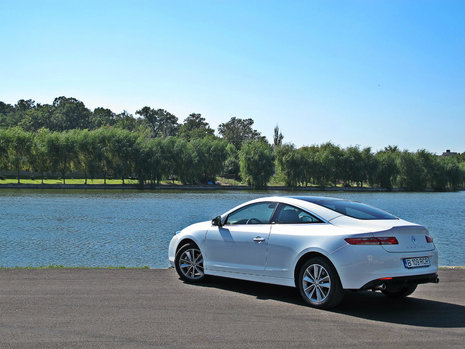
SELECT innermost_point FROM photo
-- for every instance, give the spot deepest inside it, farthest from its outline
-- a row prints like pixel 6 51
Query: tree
pixel 210 154
pixel 122 150
pixel 462 174
pixel 149 163
pixel 454 174
pixel 412 175
pixel 194 127
pixel 311 172
pixel 169 158
pixel 62 152
pixel 257 163
pixel 126 121
pixel 4 145
pixel 232 166
pixel 358 165
pixel 278 137
pixel 289 164
pixel 386 169
pixel 39 159
pixel 11 116
pixel 369 166
pixel 185 160
pixel 37 118
pixel 19 145
pixel 238 131
pixel 102 154
pixel 69 113
pixel 7 114
pixel 22 107
pixel 162 123
pixel 86 147
pixel 330 158
pixel 102 117
pixel 428 161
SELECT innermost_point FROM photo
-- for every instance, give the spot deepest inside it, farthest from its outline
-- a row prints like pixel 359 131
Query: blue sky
pixel 369 73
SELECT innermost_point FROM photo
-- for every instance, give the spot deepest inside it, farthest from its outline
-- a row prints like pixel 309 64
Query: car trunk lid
pixel 411 238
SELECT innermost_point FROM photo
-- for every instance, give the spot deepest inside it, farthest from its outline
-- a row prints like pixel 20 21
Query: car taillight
pixel 373 241
pixel 429 239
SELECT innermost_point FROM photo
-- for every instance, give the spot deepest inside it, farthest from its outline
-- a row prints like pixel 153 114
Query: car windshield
pixel 349 208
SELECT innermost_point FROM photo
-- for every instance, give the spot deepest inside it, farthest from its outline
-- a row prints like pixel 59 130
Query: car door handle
pixel 258 239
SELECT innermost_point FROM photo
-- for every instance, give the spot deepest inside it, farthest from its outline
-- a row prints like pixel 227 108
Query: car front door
pixel 240 245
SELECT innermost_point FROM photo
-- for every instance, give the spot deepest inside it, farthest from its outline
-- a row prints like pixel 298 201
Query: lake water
pixel 133 228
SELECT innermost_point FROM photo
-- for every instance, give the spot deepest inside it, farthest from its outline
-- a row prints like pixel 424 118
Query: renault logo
pixel 414 240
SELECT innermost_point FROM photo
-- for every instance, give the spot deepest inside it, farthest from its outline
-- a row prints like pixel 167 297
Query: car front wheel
pixel 189 263
pixel 319 284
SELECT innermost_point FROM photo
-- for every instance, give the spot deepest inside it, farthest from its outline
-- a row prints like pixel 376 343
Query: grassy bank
pixel 69 181
pixel 222 184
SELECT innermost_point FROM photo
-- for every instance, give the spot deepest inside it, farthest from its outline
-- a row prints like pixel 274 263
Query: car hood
pixel 197 226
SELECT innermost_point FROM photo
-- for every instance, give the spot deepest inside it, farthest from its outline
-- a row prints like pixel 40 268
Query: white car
pixel 320 245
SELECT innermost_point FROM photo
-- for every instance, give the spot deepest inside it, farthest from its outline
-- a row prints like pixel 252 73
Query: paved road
pixel 153 308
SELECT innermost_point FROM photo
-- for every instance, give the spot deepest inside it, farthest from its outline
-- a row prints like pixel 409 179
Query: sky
pixel 369 73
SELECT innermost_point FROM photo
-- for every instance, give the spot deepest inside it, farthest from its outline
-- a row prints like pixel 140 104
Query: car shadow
pixel 368 305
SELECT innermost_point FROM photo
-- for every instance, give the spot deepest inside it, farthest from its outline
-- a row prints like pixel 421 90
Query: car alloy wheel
pixel 319 283
pixel 316 283
pixel 189 263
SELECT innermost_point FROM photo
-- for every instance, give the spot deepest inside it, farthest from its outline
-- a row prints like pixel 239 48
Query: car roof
pixel 308 203
pixel 315 199
pixel 322 207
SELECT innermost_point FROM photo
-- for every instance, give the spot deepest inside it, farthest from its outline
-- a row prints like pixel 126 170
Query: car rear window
pixel 350 208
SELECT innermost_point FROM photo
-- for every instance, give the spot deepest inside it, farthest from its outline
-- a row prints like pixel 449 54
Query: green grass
pixel 57 266
pixel 227 181
pixel 68 181
pixel 99 181
pixel 274 182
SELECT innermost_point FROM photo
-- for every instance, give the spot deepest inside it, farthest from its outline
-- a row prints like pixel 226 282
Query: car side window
pixel 259 213
pixel 287 214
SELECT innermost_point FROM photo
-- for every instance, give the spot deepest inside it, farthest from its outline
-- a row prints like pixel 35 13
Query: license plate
pixel 417 262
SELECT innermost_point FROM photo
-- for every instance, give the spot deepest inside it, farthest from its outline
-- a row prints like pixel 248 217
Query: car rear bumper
pixel 401 281
pixel 357 266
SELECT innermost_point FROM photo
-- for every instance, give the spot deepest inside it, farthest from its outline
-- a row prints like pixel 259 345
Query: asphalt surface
pixel 153 308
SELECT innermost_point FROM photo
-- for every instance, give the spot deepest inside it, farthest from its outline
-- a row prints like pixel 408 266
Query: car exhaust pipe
pixel 381 287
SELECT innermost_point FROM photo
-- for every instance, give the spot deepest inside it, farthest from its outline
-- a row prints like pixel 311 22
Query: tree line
pixel 65 137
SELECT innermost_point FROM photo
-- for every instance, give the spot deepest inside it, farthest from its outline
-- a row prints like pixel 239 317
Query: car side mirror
pixel 217 221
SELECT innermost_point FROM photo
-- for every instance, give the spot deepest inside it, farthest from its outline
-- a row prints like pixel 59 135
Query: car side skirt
pixel 251 277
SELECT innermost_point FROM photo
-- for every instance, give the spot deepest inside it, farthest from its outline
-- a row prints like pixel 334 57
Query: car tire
pixel 400 292
pixel 319 284
pixel 189 264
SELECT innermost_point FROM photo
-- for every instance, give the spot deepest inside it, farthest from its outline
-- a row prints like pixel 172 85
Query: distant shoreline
pixel 215 187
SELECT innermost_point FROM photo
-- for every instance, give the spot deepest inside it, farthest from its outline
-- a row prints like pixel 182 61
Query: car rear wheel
pixel 401 292
pixel 319 284
pixel 189 263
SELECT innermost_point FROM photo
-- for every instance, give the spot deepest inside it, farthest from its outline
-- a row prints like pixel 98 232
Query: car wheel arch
pixel 305 257
pixel 186 241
